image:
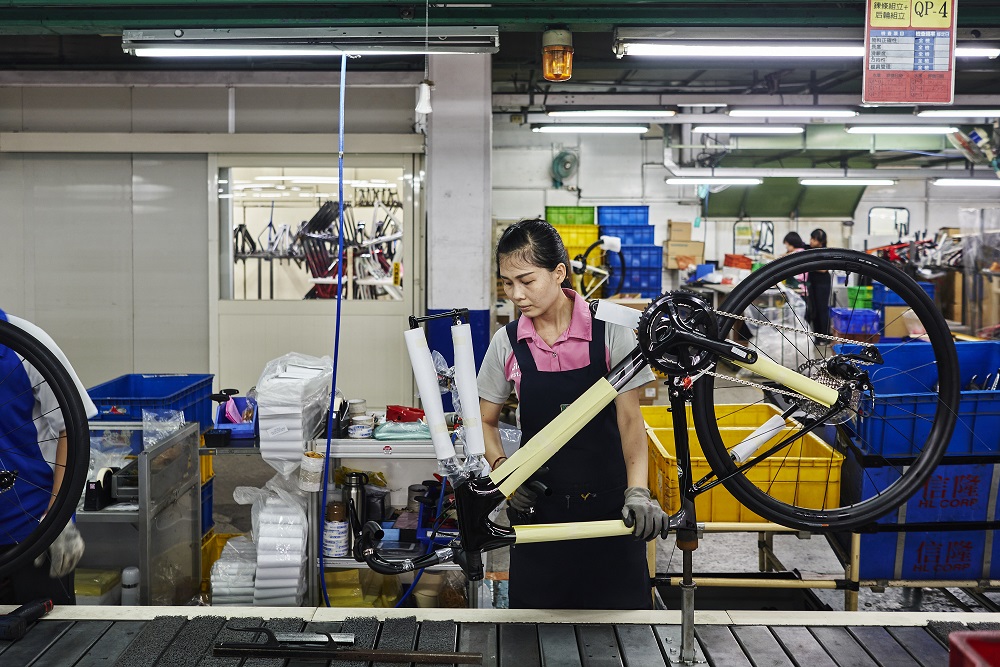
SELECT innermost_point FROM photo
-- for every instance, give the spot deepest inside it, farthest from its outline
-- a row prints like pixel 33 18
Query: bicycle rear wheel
pixel 881 451
pixel 28 448
pixel 609 278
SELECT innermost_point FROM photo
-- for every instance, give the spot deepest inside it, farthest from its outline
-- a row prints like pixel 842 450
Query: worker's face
pixel 788 247
pixel 813 243
pixel 533 289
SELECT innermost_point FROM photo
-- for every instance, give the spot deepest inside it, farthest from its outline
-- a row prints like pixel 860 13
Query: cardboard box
pixel 683 254
pixel 895 325
pixel 649 391
pixel 679 231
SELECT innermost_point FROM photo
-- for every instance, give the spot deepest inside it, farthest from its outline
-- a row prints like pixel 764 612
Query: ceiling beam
pixel 205 79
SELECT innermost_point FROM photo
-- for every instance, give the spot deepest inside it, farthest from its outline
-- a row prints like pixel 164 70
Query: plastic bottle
pixel 335 537
pixel 130 586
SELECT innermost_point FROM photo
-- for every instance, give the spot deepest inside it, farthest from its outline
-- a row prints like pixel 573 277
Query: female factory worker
pixel 550 356
pixel 819 286
pixel 37 451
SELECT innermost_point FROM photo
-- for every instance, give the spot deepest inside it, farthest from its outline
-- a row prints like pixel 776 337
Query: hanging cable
pixel 336 337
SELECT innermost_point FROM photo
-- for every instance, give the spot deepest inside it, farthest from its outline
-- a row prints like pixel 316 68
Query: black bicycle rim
pixel 916 471
pixel 78 446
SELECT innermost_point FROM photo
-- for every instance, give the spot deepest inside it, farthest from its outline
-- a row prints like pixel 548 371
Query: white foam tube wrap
pixel 468 389
pixel 617 314
pixel 749 446
pixel 430 395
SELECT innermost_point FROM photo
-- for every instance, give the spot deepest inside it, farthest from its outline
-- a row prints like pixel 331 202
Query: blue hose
pixel 430 545
pixel 336 339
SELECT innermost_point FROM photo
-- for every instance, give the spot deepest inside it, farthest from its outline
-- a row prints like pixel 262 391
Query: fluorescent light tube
pixel 748 129
pixel 713 180
pixel 591 129
pixel 719 105
pixel 614 113
pixel 968 182
pixel 959 113
pixel 784 112
pixel 846 181
pixel 977 51
pixel 900 129
pixel 719 49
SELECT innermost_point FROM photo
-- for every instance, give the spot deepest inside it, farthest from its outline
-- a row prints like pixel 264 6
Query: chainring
pixel 660 322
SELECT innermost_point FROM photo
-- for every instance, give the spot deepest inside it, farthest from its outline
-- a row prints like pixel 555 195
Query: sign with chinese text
pixel 910 52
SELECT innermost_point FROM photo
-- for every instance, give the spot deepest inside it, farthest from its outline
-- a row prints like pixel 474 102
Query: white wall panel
pixel 78 228
pixel 373 362
pixel 77 110
pixel 15 260
pixel 180 109
pixel 377 110
pixel 517 204
pixel 10 109
pixel 611 167
pixel 171 264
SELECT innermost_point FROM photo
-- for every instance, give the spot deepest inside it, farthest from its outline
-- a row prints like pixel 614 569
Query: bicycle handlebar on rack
pixel 367 551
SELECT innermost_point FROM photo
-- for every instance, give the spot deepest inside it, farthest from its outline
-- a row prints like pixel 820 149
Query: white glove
pixel 643 515
pixel 64 553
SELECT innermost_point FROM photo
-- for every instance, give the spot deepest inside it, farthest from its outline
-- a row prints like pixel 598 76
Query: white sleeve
pixel 88 405
pixel 492 379
pixel 621 341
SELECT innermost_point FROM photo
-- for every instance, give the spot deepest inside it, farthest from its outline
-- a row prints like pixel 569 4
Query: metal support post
pixel 687 611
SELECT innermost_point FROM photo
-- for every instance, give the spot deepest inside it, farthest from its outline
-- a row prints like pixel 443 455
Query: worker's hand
pixel 65 552
pixel 523 500
pixel 643 515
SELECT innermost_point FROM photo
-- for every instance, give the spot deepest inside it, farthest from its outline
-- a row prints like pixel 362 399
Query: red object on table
pixel 402 413
pixel 974 649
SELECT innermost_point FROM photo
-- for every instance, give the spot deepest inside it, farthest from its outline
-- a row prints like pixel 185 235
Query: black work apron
pixel 588 480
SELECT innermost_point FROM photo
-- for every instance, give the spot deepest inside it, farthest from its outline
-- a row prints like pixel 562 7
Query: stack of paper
pixel 233 574
pixel 281 555
pixel 292 401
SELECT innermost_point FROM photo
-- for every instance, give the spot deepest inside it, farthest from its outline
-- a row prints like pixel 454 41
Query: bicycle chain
pixel 785 327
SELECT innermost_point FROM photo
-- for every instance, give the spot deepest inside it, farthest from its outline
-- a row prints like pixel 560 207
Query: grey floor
pixel 717 552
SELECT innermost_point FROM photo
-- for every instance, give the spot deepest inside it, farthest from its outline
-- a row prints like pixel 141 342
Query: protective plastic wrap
pixel 232 576
pixel 293 398
pixel 782 345
pixel 158 425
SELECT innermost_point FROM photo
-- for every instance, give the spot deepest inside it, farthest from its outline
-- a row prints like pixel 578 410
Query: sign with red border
pixel 909 52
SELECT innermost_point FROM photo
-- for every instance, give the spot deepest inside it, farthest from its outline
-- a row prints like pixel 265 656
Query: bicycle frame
pixel 477 498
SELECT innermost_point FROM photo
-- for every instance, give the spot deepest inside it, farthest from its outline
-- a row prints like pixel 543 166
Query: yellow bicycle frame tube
pixel 523 463
pixel 792 379
pixel 554 532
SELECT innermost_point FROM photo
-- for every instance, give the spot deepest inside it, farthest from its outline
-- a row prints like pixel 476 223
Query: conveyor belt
pixel 174 641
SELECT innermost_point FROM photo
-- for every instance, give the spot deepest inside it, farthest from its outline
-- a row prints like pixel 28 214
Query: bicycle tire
pixel 611 261
pixel 67 396
pixel 848 511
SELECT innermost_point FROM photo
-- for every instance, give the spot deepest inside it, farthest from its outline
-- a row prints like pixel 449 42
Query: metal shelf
pixel 350 563
pixel 108 516
pixel 369 448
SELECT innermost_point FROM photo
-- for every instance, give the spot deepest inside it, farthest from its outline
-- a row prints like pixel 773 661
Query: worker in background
pixel 794 243
pixel 549 356
pixel 24 391
pixel 819 288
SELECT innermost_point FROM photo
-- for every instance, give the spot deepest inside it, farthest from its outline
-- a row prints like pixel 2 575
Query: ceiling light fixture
pixel 748 129
pixel 786 112
pixel 707 105
pixel 590 129
pixel 900 129
pixel 967 182
pixel 614 113
pixel 712 180
pixel 959 113
pixel 557 54
pixel 846 181
pixel 761 43
pixel 305 42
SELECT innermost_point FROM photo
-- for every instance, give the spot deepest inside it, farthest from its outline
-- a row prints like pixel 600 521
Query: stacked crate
pixel 575 225
pixel 958 501
pixel 643 259
pixel 891 308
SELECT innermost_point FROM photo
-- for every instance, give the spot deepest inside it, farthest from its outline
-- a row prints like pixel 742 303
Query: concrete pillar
pixel 458 182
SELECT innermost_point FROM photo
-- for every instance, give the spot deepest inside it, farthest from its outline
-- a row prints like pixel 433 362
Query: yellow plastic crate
pixel 727 415
pixel 578 237
pixel 207 471
pixel 808 476
pixel 211 549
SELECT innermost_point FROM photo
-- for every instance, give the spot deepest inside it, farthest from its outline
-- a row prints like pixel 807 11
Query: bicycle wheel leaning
pixel 602 272
pixel 883 451
pixel 29 453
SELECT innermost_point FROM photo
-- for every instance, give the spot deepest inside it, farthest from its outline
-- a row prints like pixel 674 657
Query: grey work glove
pixel 643 515
pixel 64 553
pixel 525 497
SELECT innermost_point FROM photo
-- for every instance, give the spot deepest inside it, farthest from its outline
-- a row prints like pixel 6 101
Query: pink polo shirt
pixel 570 351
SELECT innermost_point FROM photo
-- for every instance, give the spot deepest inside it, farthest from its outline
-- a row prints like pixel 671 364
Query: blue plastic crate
pixel 906 401
pixel 883 296
pixel 643 279
pixel 956 492
pixel 124 398
pixel 248 432
pixel 623 215
pixel 854 320
pixel 643 256
pixel 631 235
pixel 207 516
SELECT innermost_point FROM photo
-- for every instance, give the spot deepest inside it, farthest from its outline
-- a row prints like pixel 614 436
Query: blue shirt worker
pixel 34 451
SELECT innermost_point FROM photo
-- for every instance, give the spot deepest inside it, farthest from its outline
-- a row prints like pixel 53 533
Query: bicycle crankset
pixel 677 332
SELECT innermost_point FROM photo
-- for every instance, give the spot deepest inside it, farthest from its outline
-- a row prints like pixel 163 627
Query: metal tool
pixel 996 381
pixel 14 625
pixel 973 385
pixel 330 646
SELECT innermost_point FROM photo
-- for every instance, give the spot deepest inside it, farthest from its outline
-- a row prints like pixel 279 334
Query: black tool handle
pixel 15 624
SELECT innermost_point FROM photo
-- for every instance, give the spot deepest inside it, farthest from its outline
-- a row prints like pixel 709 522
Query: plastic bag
pixel 279 486
pixel 783 346
pixel 402 431
pixel 157 425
